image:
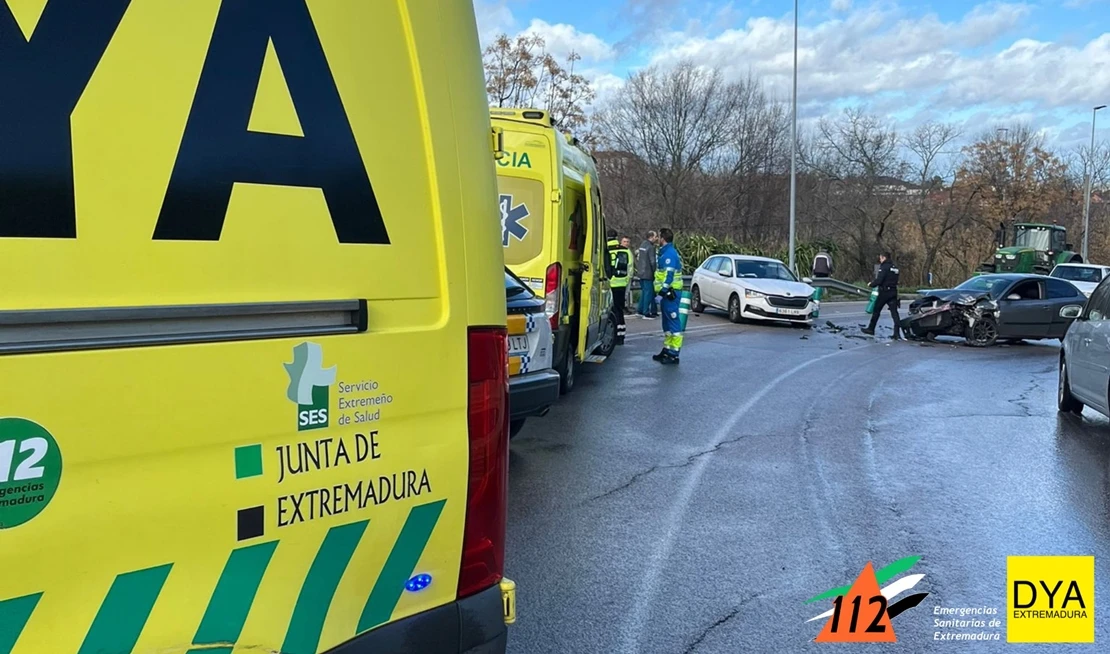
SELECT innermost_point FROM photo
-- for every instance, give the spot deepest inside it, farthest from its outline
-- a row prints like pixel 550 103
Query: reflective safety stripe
pixel 319 587
pixel 517 324
pixel 128 604
pixel 400 564
pixel 123 614
pixel 231 602
pixel 14 614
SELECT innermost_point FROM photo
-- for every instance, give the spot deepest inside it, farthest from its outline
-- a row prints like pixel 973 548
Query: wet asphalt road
pixel 695 508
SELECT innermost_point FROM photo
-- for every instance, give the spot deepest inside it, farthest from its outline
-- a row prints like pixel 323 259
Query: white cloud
pixel 894 59
pixel 561 39
pixel 494 17
pixel 877 50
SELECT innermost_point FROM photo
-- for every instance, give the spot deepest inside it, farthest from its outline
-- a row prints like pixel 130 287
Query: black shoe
pixel 620 341
pixel 869 332
pixel 669 359
pixel 659 357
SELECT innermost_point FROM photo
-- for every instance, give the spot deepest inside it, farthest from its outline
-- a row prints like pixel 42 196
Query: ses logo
pixel 310 386
pixel 1050 599
pixel 862 612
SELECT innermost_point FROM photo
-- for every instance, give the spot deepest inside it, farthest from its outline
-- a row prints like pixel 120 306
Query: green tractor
pixel 1036 248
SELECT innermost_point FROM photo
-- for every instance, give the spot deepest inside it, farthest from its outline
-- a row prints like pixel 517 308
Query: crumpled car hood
pixel 954 295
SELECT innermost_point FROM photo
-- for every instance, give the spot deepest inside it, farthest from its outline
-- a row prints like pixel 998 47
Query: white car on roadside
pixel 1085 276
pixel 757 288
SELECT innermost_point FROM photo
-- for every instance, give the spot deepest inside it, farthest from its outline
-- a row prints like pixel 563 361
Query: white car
pixel 758 288
pixel 1085 356
pixel 533 383
pixel 1085 276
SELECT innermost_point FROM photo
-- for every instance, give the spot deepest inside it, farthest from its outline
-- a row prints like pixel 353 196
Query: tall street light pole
pixel 794 141
pixel 1089 166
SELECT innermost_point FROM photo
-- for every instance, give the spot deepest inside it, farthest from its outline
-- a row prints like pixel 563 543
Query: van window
pixel 577 225
pixel 521 204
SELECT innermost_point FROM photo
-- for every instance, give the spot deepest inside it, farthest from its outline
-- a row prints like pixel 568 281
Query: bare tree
pixel 677 122
pixel 521 73
pixel 1018 178
pixel 939 209
pixel 759 148
pixel 856 157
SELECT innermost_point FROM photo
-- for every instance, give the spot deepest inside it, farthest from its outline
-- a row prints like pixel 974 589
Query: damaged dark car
pixel 990 308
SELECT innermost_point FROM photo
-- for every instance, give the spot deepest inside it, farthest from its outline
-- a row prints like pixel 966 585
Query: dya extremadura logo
pixel 862 612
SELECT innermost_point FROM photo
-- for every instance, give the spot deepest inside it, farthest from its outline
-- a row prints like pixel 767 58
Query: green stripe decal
pixel 883 575
pixel 14 614
pixel 319 587
pixel 400 564
pixel 124 612
pixel 231 602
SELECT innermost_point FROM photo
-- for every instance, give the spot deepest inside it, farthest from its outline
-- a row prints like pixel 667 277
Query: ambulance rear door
pixel 233 324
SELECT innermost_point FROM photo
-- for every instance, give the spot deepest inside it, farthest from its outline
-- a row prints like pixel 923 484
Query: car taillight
pixel 483 552
pixel 551 288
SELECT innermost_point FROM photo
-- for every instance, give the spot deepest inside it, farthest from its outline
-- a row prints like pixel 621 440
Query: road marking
pixel 638 617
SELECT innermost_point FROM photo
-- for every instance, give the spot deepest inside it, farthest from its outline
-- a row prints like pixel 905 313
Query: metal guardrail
pixel 837 285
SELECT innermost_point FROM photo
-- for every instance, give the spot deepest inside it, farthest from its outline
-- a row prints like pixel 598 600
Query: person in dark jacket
pixel 822 264
pixel 645 272
pixel 620 266
pixel 886 280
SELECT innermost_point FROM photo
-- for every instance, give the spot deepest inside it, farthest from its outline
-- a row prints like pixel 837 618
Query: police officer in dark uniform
pixel 886 280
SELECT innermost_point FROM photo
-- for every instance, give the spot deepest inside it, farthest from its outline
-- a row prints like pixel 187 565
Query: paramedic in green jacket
pixel 620 263
pixel 668 287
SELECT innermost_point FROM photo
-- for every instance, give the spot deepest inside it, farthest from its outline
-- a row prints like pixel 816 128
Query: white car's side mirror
pixel 1013 296
pixel 807 280
pixel 1071 311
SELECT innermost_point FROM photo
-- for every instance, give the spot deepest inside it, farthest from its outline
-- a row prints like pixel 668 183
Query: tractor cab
pixel 1044 239
pixel 1036 248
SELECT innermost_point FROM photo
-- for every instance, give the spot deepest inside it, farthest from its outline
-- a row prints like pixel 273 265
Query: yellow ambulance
pixel 252 331
pixel 553 233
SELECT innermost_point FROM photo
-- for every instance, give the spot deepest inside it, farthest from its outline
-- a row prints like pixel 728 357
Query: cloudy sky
pixel 1042 62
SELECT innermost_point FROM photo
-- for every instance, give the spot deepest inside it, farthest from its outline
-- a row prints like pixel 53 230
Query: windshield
pixel 763 270
pixel 513 286
pixel 986 283
pixel 1033 237
pixel 1078 274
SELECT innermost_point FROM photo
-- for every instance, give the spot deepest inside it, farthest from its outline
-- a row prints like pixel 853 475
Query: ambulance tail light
pixel 552 295
pixel 483 552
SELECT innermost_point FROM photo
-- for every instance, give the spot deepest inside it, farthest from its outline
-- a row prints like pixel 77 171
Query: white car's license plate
pixel 518 344
pixel 791 312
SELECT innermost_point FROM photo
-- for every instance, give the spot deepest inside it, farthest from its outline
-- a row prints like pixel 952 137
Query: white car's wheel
pixel 1065 401
pixel 696 305
pixel 735 309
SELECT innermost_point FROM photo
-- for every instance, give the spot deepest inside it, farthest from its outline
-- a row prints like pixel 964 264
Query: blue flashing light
pixel 418 583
